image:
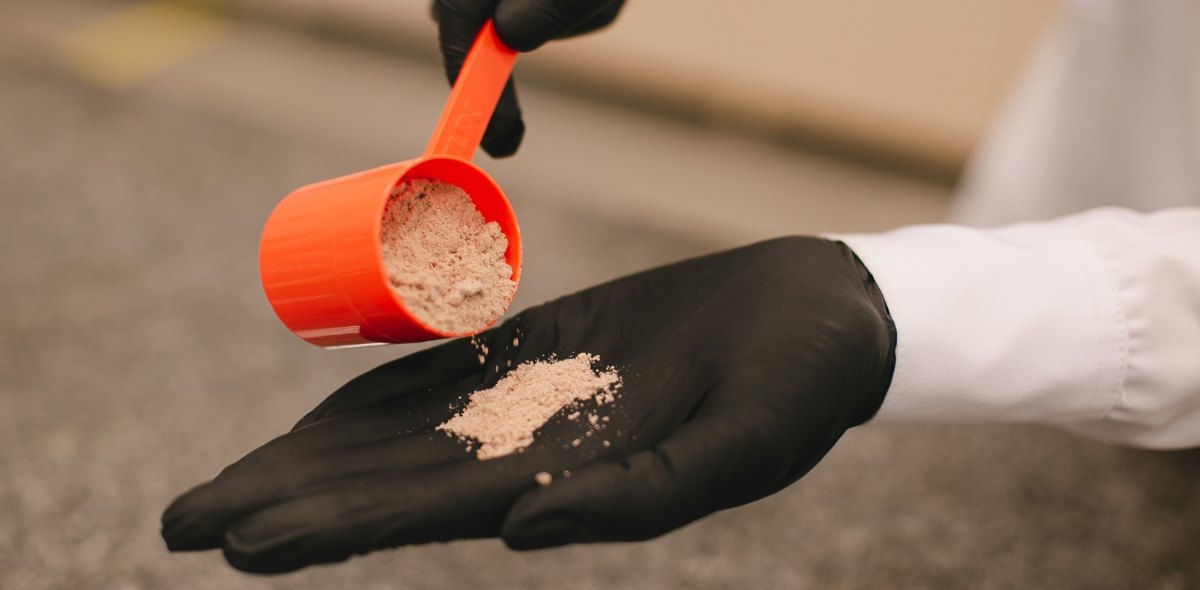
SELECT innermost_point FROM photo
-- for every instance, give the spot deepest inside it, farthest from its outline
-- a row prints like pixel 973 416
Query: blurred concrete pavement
pixel 138 356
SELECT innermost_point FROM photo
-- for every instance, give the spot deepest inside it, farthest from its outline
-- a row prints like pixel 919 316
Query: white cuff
pixel 1019 324
pixel 1090 321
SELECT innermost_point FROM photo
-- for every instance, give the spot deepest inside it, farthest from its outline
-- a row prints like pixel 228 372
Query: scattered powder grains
pixel 443 259
pixel 503 419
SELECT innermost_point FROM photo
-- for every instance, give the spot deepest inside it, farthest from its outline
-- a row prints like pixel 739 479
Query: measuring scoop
pixel 320 257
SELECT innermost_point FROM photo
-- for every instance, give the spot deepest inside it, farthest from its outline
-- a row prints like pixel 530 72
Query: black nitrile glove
pixel 523 25
pixel 740 371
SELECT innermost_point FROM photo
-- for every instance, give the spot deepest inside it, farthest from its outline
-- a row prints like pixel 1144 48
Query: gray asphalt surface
pixel 138 356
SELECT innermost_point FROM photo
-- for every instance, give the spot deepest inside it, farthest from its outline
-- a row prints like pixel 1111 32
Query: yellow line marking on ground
pixel 140 41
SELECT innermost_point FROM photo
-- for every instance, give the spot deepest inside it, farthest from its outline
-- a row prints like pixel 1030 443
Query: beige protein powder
pixel 444 261
pixel 503 419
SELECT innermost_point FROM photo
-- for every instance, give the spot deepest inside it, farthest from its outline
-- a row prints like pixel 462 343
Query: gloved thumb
pixel 506 129
pixel 458 24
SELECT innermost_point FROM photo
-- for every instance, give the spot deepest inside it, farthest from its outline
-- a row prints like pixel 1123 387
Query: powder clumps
pixel 543 478
pixel 443 259
pixel 503 419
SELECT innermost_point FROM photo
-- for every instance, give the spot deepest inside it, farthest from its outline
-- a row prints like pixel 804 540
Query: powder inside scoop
pixel 443 259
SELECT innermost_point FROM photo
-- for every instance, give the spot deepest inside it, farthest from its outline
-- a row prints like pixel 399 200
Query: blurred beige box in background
pixel 913 81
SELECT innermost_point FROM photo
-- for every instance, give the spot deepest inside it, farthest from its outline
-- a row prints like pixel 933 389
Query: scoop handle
pixel 474 96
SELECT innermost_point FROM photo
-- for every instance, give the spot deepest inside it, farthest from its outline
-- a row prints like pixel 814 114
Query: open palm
pixel 740 371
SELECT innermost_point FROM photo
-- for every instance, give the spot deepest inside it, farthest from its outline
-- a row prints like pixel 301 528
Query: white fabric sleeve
pixel 1091 322
pixel 1107 113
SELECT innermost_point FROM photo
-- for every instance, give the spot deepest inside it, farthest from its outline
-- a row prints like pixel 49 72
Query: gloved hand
pixel 740 371
pixel 523 25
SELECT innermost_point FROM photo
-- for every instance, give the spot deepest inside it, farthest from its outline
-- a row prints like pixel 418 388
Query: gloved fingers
pixel 198 519
pixel 647 494
pixel 417 373
pixel 506 128
pixel 604 16
pixel 459 22
pixel 457 501
pixel 525 25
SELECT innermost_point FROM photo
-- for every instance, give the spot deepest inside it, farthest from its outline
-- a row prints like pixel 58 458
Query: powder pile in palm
pixel 504 418
pixel 443 259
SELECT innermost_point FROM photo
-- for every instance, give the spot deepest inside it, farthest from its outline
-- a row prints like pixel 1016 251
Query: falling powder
pixel 503 419
pixel 443 259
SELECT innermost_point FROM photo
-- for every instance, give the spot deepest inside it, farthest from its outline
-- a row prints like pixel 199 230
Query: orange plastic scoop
pixel 320 258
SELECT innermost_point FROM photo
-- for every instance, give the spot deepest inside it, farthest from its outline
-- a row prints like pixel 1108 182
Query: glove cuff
pixel 886 364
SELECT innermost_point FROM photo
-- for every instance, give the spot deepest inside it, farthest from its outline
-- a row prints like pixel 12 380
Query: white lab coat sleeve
pixel 1107 113
pixel 1091 322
